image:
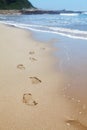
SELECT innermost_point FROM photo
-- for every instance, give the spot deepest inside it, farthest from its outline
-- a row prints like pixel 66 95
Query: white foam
pixel 69 14
pixel 76 34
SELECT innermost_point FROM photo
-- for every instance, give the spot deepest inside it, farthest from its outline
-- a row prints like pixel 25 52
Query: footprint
pixel 21 66
pixel 43 48
pixel 35 80
pixel 76 124
pixel 31 52
pixel 32 59
pixel 28 100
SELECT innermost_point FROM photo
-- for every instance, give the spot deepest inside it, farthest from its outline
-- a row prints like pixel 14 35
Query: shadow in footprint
pixel 28 100
pixel 35 80
pixel 76 124
pixel 20 66
pixel 43 48
pixel 32 59
pixel 31 52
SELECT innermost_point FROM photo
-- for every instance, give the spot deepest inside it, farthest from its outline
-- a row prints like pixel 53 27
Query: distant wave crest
pixel 84 13
pixel 69 14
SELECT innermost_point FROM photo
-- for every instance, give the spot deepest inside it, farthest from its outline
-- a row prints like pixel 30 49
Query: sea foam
pixel 72 27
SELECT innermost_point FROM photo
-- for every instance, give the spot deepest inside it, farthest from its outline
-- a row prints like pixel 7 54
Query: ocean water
pixel 68 25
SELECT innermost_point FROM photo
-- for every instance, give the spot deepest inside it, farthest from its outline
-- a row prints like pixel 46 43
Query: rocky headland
pixel 25 7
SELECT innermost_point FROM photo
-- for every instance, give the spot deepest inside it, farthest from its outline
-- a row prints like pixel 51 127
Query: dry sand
pixel 30 87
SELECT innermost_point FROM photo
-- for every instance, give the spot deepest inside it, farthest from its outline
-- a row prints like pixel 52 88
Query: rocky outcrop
pixel 37 11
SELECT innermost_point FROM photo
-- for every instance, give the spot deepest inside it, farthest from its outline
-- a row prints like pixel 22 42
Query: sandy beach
pixel 30 86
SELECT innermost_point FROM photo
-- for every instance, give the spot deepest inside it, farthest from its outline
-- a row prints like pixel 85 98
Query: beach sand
pixel 30 86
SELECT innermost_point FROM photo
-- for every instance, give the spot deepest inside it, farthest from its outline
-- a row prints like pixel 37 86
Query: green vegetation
pixel 15 4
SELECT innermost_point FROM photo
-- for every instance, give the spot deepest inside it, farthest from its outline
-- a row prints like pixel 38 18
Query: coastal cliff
pixel 25 7
pixel 15 4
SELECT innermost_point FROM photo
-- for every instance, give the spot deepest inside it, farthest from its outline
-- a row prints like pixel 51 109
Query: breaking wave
pixel 71 33
pixel 69 14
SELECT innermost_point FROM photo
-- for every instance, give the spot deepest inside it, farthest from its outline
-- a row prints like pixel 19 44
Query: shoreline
pixel 30 87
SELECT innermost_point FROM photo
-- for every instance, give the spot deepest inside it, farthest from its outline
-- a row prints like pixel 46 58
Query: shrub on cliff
pixel 15 4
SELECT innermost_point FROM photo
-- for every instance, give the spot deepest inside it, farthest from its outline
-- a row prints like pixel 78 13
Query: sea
pixel 70 30
pixel 72 25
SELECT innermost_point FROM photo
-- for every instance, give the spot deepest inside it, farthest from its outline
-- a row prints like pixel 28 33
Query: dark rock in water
pixel 37 11
pixel 15 4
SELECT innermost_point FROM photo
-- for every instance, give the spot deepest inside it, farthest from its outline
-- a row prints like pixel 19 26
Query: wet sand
pixel 31 95
pixel 72 56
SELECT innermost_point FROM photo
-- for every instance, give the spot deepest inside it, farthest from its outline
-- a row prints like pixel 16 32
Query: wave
pixel 71 33
pixel 69 14
pixel 2 18
pixel 84 13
